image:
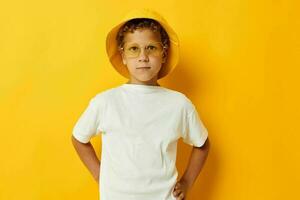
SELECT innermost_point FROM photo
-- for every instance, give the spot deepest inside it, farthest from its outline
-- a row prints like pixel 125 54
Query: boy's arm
pixel 88 156
pixel 196 162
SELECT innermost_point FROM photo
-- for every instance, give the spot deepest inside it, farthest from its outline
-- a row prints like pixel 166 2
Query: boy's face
pixel 145 65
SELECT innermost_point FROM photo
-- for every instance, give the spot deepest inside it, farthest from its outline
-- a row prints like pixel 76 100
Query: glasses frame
pixel 163 49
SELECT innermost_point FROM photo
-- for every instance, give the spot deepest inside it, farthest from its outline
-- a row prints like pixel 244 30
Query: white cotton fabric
pixel 140 126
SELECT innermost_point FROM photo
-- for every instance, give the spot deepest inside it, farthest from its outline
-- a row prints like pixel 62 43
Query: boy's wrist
pixel 96 177
pixel 96 173
pixel 186 182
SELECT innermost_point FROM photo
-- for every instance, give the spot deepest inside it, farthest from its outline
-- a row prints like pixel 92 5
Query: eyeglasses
pixel 133 50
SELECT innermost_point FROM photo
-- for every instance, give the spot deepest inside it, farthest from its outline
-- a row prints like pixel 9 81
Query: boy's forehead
pixel 144 35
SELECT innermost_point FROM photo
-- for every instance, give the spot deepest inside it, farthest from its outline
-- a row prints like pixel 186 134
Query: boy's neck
pixel 143 83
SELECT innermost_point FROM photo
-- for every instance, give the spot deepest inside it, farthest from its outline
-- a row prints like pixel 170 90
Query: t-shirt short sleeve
pixel 87 125
pixel 194 133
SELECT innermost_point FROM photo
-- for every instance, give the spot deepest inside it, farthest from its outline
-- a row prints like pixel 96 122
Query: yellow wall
pixel 239 64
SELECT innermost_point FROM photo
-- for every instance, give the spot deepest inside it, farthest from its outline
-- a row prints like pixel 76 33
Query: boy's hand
pixel 180 190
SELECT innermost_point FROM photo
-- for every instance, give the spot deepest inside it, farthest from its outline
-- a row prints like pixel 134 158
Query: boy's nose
pixel 143 56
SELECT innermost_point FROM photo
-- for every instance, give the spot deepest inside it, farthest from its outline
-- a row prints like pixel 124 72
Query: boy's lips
pixel 143 67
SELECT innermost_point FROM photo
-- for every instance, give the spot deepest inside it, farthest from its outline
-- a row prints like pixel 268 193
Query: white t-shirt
pixel 140 126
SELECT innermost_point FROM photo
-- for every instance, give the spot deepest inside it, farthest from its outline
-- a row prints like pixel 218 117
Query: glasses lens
pixel 154 49
pixel 132 50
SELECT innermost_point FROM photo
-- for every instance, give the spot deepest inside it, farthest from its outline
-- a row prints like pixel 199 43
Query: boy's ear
pixel 123 59
pixel 164 58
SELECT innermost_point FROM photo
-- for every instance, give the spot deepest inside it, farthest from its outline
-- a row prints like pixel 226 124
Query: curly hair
pixel 134 24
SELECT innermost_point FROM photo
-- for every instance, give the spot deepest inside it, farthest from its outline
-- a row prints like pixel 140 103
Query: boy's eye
pixel 152 47
pixel 134 48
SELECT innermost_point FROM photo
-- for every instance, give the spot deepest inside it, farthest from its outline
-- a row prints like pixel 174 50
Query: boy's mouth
pixel 143 67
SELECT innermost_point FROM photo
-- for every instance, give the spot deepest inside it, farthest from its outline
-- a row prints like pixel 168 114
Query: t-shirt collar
pixel 140 88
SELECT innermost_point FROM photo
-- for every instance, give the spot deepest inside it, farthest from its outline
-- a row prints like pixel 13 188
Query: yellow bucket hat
pixel 112 48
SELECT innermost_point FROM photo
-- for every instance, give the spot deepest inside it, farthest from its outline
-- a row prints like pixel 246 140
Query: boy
pixel 140 120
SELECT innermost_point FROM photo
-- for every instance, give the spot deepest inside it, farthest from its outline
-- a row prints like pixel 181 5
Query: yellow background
pixel 239 65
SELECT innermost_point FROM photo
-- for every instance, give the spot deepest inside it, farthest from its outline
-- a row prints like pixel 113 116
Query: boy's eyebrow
pixel 146 43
